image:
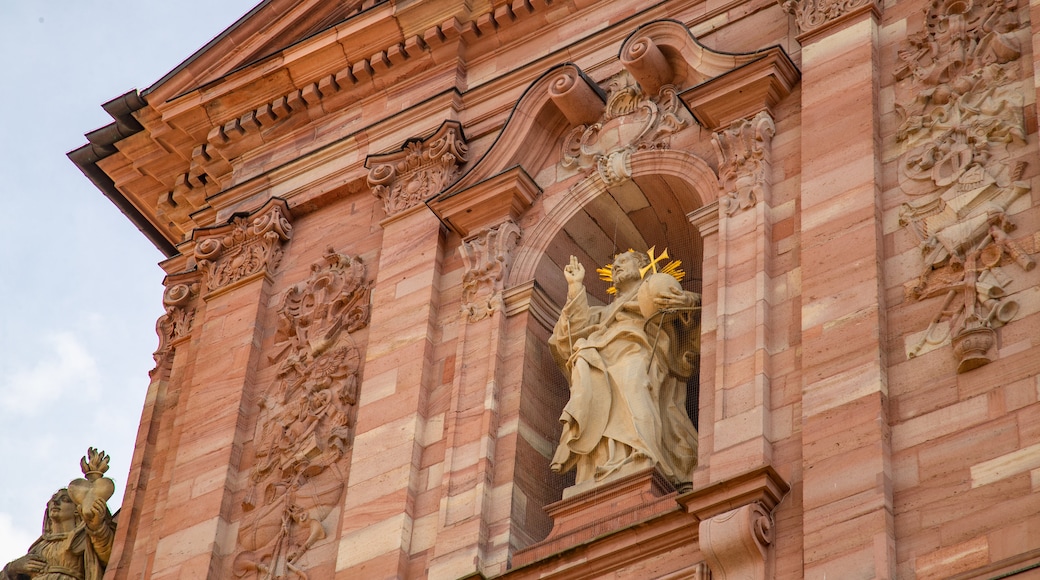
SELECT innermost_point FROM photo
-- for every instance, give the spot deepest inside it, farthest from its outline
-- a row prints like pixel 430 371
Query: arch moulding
pixel 703 188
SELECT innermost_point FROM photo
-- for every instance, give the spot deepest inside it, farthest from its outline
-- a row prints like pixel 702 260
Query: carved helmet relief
pixel 961 125
pixel 306 420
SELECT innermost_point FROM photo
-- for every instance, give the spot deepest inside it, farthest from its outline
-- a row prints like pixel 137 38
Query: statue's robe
pixel 628 392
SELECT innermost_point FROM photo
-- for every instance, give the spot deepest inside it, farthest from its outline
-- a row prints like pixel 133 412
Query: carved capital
pixel 488 256
pixel 420 170
pixel 735 544
pixel 179 301
pixel 816 16
pixel 743 152
pixel 249 244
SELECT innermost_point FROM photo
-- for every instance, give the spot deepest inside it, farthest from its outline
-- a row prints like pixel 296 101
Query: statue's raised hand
pixel 574 273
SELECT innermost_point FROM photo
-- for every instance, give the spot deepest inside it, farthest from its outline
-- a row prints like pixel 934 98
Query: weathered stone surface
pixel 851 191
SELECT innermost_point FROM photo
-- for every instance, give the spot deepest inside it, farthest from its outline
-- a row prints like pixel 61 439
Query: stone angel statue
pixel 78 530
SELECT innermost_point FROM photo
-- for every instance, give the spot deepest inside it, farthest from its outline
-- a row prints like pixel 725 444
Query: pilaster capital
pixel 179 301
pixel 743 150
pixel 816 17
pixel 488 255
pixel 249 244
pixel 421 169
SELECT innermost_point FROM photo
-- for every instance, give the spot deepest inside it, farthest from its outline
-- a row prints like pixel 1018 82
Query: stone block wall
pixel 353 378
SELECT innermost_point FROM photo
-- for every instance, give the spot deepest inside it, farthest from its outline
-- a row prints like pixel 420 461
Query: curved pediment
pixel 561 98
pixel 663 58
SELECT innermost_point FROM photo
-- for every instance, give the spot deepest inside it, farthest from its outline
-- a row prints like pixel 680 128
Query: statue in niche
pixel 627 364
pixel 78 530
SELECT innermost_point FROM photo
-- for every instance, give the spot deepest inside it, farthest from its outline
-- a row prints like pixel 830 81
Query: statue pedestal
pixel 587 512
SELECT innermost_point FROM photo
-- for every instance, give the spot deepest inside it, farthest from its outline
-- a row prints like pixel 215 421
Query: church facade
pixel 373 212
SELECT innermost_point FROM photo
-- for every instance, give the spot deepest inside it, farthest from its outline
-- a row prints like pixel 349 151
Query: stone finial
pixel 743 152
pixel 420 170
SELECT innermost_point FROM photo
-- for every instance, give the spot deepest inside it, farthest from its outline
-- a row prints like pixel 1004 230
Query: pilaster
pixel 392 427
pixel 236 261
pixel 846 457
pixel 484 216
pixel 737 106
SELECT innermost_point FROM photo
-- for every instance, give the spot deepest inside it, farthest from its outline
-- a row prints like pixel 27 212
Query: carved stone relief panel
pixel 421 169
pixel 487 256
pixel 247 246
pixel 632 121
pixel 958 95
pixel 176 324
pixel 743 151
pixel 306 420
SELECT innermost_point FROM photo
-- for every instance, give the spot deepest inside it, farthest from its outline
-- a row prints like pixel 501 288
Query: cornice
pixel 212 147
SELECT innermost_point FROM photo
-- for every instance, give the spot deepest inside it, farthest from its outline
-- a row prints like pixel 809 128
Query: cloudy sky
pixel 79 286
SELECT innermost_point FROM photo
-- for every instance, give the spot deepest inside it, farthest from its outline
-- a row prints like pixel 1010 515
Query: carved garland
pixel 959 97
pixel 488 256
pixel 421 169
pixel 243 248
pixel 631 121
pixel 743 151
pixel 306 420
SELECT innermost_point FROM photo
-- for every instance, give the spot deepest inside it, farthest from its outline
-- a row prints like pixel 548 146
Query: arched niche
pixel 593 221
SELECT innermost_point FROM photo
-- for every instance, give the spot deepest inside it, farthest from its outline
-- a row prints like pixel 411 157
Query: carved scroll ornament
pixel 421 169
pixel 306 420
pixel 958 93
pixel 631 122
pixel 179 319
pixel 488 256
pixel 736 543
pixel 243 248
pixel 743 151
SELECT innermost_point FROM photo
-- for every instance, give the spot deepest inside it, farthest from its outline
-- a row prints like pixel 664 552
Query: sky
pixel 80 288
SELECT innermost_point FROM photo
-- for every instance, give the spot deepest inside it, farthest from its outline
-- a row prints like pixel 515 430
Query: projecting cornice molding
pixel 180 143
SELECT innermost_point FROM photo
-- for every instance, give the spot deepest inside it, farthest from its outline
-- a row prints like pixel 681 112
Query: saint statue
pixel 627 364
pixel 78 530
